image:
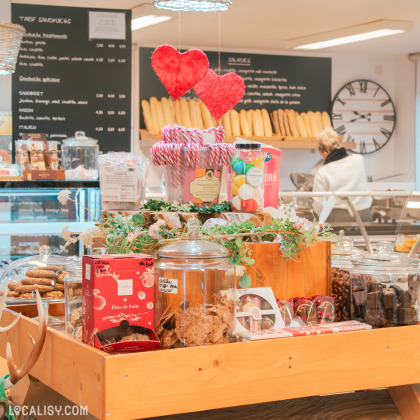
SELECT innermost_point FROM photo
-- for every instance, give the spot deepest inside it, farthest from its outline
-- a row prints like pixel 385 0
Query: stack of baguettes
pixel 257 123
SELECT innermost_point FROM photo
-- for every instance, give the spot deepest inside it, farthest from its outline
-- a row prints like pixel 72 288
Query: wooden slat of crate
pixel 202 378
pixel 74 370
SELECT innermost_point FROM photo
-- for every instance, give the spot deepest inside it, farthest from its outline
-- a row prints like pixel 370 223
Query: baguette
pixel 305 118
pixel 243 121
pixel 318 122
pixel 226 124
pixel 312 123
pixel 268 130
pixel 275 122
pixel 185 113
pixel 249 119
pixel 234 122
pixel 178 113
pixel 291 115
pixel 167 113
pixel 326 122
pixel 301 126
pixel 195 114
pixel 280 120
pixel 206 116
pixel 286 123
pixel 257 123
pixel 148 119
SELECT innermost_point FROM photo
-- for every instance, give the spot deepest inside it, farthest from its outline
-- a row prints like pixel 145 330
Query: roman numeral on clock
pixel 389 117
pixel 362 147
pixel 363 86
pixel 376 144
pixel 386 133
pixel 340 100
pixel 349 87
pixel 388 101
pixel 341 130
pixel 349 139
pixel 337 116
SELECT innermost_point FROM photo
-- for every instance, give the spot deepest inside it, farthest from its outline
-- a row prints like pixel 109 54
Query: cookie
pixel 40 281
pixel 10 293
pixel 13 284
pixel 40 273
pixel 61 276
pixel 27 296
pixel 54 294
pixel 31 288
pixel 77 292
pixel 59 286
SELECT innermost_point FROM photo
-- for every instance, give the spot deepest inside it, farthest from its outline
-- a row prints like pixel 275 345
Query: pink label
pixel 201 185
pixel 271 176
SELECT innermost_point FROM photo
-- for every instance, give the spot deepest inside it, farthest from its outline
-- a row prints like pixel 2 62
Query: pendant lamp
pixel 194 5
pixel 10 40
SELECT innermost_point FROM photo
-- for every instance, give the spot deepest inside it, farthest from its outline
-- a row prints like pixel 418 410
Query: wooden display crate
pixel 135 386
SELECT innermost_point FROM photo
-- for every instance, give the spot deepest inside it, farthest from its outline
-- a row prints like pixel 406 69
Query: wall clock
pixel 363 112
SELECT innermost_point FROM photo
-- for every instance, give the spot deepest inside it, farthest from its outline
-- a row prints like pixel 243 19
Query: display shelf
pixel 177 381
pixel 283 142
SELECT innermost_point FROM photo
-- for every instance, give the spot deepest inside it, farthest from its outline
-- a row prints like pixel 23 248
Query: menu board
pixel 271 81
pixel 73 74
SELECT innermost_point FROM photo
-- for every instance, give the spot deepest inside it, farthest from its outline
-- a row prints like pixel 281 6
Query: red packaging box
pixel 118 300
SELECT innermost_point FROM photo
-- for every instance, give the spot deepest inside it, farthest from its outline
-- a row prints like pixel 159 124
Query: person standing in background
pixel 340 172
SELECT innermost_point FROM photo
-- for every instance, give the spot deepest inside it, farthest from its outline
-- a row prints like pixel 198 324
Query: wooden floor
pixel 363 405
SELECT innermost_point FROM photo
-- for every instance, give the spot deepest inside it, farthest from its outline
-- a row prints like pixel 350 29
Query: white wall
pixel 5 81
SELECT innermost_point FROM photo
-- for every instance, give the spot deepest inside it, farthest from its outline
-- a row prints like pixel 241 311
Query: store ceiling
pixel 265 24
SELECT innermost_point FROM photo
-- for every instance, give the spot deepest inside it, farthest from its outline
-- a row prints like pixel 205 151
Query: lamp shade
pixel 10 40
pixel 194 5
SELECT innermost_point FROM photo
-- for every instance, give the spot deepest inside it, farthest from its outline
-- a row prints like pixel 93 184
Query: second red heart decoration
pixel 179 72
pixel 220 93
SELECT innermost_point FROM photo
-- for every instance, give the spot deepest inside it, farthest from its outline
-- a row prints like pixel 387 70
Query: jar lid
pixel 193 247
pixel 80 139
pixel 74 269
pixel 255 146
pixel 386 257
pixel 345 248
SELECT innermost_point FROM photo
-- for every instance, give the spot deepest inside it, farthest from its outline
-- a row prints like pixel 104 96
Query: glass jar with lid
pixel 73 300
pixel 194 292
pixel 385 288
pixel 79 156
pixel 43 272
pixel 342 254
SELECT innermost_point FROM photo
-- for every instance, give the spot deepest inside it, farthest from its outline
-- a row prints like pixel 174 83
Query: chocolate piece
pixel 376 317
pixel 390 315
pixel 266 323
pixel 414 282
pixel 375 300
pixel 406 316
pixel 374 286
pixel 407 299
pixel 265 305
pixel 390 299
pixel 358 284
pixel 398 290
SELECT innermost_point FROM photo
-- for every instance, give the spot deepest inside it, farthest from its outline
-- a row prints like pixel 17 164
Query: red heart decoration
pixel 220 93
pixel 179 72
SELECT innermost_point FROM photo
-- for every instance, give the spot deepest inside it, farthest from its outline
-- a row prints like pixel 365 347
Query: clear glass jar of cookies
pixel 73 300
pixel 43 272
pixel 194 293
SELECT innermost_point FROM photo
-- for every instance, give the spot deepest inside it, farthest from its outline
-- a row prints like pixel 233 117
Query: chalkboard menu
pixel 74 73
pixel 271 81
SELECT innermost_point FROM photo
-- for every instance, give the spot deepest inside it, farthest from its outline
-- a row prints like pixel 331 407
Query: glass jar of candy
pixel 123 180
pixel 194 293
pixel 73 300
pixel 341 264
pixel 385 288
pixel 247 178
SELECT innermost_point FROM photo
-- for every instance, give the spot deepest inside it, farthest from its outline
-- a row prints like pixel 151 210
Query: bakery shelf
pixel 282 142
pixel 201 378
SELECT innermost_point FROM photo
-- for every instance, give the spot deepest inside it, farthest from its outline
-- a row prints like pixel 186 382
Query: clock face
pixel 363 112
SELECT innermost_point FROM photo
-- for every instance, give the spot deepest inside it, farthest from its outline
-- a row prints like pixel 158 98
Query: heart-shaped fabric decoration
pixel 220 93
pixel 179 72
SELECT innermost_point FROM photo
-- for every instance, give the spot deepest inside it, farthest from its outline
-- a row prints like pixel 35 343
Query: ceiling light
pixel 194 5
pixel 146 15
pixel 371 30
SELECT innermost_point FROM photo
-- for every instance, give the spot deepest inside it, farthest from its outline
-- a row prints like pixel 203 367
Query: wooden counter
pixel 193 379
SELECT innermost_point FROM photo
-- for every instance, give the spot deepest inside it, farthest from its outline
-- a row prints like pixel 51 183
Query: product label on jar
pixel 202 185
pixel 120 183
pixel 255 176
pixel 168 285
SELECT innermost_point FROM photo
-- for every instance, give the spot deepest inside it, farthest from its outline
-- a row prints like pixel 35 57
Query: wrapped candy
pixel 324 307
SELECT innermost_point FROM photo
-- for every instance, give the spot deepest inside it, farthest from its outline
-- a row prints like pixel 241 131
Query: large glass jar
pixel 341 264
pixel 73 300
pixel 246 180
pixel 43 272
pixel 385 288
pixel 79 156
pixel 194 292
pixel 123 180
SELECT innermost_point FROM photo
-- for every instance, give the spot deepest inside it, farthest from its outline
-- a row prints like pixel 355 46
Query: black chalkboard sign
pixel 74 73
pixel 271 81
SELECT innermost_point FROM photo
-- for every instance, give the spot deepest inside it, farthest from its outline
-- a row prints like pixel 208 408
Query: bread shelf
pixel 282 142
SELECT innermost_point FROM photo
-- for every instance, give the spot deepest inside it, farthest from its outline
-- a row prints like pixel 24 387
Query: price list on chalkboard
pixel 271 81
pixel 73 73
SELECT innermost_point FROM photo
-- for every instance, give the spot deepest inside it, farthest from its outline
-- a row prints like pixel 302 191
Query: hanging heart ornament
pixel 220 93
pixel 179 72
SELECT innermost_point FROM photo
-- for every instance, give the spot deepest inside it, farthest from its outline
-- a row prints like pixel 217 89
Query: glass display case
pixel 31 216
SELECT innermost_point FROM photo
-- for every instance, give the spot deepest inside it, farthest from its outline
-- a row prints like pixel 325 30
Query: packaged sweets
pixel 303 308
pixel 286 311
pixel 122 180
pixel 247 178
pixel 324 307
